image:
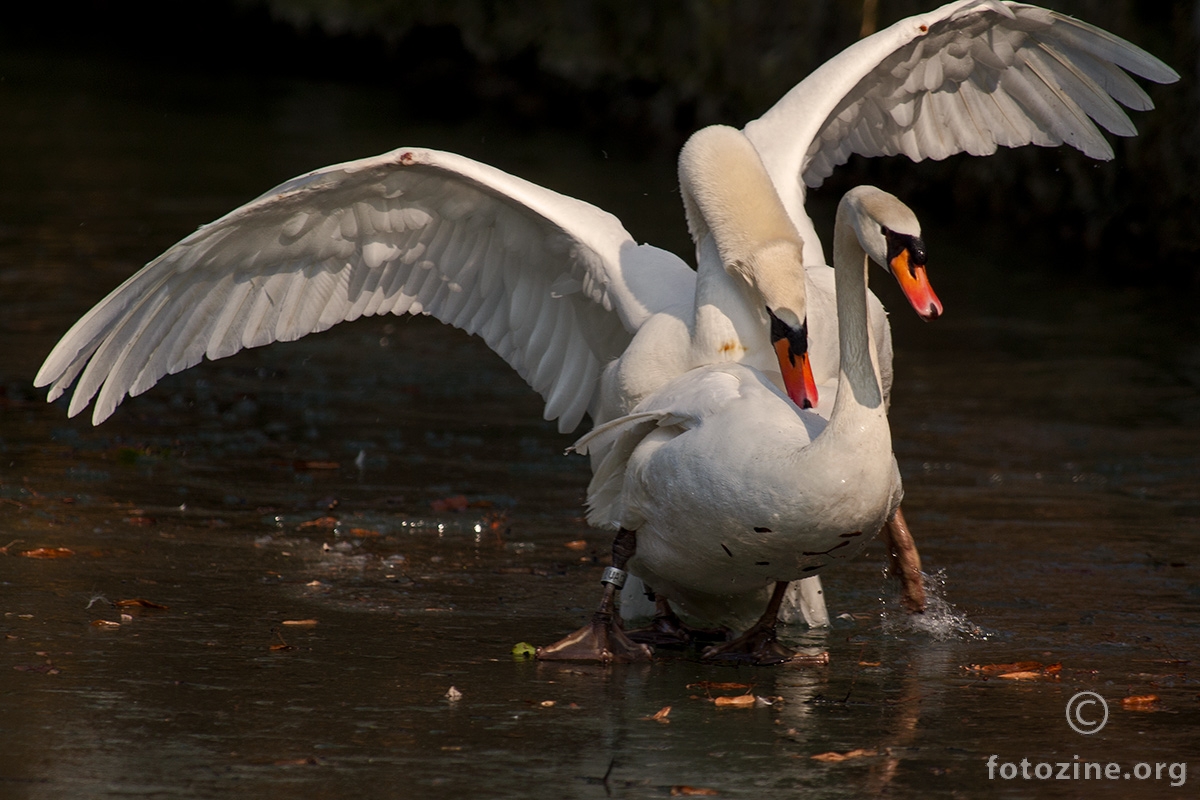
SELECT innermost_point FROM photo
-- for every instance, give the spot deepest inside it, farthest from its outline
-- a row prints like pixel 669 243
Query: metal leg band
pixel 614 576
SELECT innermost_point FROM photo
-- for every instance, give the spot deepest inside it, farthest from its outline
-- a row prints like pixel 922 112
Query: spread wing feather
pixel 552 284
pixel 968 77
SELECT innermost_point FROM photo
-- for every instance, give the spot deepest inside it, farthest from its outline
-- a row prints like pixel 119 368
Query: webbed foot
pixel 601 640
pixel 759 645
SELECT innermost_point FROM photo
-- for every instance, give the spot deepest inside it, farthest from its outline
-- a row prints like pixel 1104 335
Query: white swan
pixel 555 286
pixel 718 483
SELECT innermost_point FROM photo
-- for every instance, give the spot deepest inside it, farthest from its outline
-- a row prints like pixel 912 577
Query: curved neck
pixel 857 370
pixel 748 251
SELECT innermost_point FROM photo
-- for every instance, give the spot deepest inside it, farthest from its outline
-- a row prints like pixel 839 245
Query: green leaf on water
pixel 523 650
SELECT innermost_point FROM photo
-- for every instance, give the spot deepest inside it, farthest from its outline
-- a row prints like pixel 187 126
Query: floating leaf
pixel 578 544
pixel 454 695
pixel 693 791
pixel 548 703
pixel 300 623
pixel 302 464
pixel 48 552
pixel 1140 702
pixel 834 757
pixel 320 522
pixel 142 521
pixel 105 623
pixel 738 701
pixel 1033 674
pixel 524 650
pixel 138 602
pixel 660 715
pixel 1018 670
pixel 1016 666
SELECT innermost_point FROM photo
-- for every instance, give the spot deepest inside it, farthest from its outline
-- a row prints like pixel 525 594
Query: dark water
pixel 1048 430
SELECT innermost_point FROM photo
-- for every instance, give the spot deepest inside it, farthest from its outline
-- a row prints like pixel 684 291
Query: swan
pixel 556 286
pixel 969 76
pixel 719 483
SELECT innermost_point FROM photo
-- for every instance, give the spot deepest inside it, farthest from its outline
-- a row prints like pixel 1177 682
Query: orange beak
pixel 797 373
pixel 915 285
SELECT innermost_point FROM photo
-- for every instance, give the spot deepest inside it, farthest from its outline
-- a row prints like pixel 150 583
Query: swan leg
pixel 602 639
pixel 668 630
pixel 760 644
pixel 905 562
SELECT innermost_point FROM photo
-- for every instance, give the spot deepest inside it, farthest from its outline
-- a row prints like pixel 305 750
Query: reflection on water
pixel 1049 433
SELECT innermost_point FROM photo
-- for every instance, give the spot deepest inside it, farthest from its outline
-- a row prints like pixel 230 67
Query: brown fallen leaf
pixel 144 522
pixel 738 701
pixel 364 533
pixel 1140 702
pixel 578 544
pixel 693 791
pixel 834 757
pixel 302 464
pixel 300 623
pixel 320 522
pixel 105 623
pixel 660 715
pixel 138 602
pixel 48 552
pixel 1016 666
pixel 1050 671
pixel 869 663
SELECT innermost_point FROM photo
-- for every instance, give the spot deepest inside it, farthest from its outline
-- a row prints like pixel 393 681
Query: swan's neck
pixel 731 320
pixel 748 249
pixel 858 374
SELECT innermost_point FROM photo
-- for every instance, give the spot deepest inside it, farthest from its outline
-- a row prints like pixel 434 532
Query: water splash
pixel 941 620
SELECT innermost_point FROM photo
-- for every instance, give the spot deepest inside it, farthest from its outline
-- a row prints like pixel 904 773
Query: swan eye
pixel 899 242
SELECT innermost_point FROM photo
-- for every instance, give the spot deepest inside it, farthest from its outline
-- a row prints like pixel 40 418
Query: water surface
pixel 1048 431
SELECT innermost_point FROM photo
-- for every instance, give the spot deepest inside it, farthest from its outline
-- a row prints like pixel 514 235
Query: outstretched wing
pixel 554 285
pixel 969 77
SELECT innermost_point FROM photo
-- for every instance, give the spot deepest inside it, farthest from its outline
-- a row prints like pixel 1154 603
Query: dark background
pixel 639 77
